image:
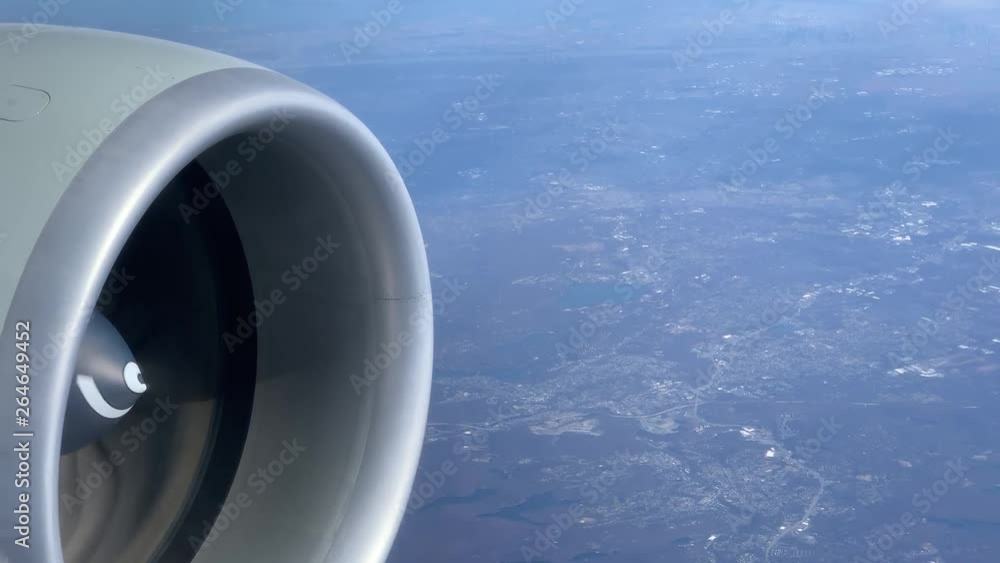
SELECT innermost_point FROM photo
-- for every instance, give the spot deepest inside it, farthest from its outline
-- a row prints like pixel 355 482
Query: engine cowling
pixel 215 309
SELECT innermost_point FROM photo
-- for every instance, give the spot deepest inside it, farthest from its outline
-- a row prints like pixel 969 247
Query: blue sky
pixel 495 24
pixel 140 14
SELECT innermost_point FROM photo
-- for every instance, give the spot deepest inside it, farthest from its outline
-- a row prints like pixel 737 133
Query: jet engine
pixel 215 311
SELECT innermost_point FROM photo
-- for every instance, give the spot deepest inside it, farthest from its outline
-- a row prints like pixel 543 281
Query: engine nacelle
pixel 215 312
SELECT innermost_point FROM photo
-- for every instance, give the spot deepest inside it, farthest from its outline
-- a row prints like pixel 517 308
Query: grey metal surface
pixel 348 453
pixel 65 90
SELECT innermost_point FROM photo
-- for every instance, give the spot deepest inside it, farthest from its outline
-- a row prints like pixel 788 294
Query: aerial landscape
pixel 740 311
pixel 715 282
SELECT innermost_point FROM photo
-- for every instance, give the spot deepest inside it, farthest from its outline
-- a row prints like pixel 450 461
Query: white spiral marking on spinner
pixel 92 393
pixel 94 398
pixel 133 378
